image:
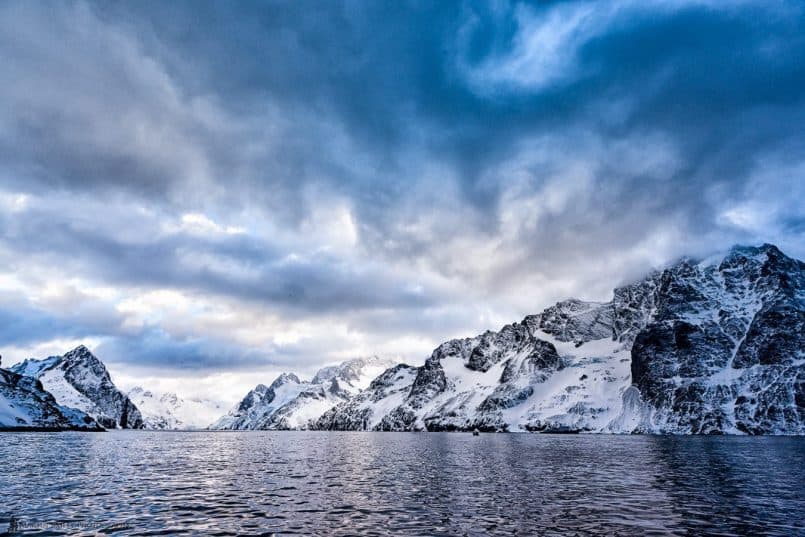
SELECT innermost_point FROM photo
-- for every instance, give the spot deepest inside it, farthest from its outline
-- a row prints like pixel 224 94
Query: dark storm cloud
pixel 146 347
pixel 22 327
pixel 155 348
pixel 23 322
pixel 492 147
pixel 392 78
pixel 234 266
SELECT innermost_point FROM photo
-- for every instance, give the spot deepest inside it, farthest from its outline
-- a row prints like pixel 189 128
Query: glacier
pixel 169 411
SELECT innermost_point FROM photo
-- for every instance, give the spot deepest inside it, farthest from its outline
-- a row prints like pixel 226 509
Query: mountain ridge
pixel 652 360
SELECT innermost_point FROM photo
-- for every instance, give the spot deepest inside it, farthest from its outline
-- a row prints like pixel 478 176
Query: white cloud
pixel 13 354
pixel 14 202
pixel 544 51
pixel 201 223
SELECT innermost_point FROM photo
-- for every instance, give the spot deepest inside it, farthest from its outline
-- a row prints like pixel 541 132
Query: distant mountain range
pixel 169 411
pixel 701 347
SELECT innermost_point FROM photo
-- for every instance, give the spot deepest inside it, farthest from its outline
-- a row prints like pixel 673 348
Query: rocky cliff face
pixel 290 403
pixel 702 347
pixel 725 349
pixel 79 380
pixel 24 404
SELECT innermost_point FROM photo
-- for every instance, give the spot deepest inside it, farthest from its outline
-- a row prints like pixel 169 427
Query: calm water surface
pixel 252 483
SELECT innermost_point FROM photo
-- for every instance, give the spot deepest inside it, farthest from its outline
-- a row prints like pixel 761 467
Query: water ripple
pixel 150 483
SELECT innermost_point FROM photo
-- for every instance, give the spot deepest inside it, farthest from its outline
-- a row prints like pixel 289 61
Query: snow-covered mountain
pixel 79 380
pixel 290 403
pixel 702 347
pixel 169 411
pixel 522 375
pixel 25 404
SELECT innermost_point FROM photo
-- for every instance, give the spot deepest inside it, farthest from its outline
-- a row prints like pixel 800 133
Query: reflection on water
pixel 144 483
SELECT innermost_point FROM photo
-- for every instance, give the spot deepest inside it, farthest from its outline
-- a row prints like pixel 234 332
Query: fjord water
pixel 152 483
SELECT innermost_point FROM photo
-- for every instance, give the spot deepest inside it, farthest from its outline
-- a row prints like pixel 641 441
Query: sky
pixel 209 193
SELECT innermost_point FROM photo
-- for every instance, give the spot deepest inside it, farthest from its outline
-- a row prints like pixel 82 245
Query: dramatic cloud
pixel 213 192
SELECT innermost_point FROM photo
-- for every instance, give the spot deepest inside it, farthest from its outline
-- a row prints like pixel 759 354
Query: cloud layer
pixel 216 191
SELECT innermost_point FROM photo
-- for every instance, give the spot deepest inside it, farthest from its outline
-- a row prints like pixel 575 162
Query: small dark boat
pixel 475 432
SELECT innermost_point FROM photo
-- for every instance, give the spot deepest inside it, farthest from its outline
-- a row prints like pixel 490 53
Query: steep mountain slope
pixel 169 411
pixel 79 380
pixel 290 403
pixel 25 404
pixel 701 347
pixel 725 351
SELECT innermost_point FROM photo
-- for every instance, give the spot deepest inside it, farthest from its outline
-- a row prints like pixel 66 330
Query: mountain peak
pixel 169 411
pixel 80 353
pixel 285 378
pixel 767 259
pixel 139 391
pixel 766 247
pixel 293 403
pixel 352 370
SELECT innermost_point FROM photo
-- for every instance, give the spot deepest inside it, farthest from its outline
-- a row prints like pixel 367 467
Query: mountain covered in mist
pixel 701 347
pixel 168 411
